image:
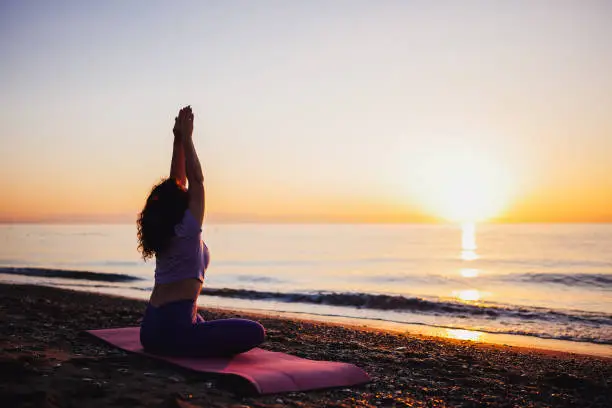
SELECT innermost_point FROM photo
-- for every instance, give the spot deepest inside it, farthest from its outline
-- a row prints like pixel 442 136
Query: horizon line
pixel 308 222
pixel 238 218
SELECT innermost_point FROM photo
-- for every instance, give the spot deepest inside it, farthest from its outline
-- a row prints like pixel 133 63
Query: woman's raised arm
pixel 195 176
pixel 177 166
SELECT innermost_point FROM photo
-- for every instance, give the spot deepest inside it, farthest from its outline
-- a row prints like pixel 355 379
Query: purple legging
pixel 176 329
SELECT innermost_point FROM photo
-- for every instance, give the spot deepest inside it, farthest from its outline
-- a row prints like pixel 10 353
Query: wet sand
pixel 47 361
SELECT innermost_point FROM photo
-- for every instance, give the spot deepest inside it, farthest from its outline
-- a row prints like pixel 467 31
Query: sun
pixel 463 185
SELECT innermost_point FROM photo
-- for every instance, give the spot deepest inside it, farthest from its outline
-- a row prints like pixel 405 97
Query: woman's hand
pixel 183 124
pixel 175 130
pixel 177 166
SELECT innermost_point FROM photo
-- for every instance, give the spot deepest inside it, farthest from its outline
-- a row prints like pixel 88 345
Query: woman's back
pixel 180 268
pixel 170 227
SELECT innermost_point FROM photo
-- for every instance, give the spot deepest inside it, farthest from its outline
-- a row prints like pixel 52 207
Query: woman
pixel 170 228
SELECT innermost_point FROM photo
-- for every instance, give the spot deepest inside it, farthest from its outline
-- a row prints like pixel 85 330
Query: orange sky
pixel 319 111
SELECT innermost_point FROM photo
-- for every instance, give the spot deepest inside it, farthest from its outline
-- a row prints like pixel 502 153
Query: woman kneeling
pixel 170 229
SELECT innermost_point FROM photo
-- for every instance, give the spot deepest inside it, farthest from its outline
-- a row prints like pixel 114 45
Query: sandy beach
pixel 47 361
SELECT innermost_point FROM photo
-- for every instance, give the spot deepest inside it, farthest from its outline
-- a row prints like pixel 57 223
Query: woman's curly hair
pixel 163 210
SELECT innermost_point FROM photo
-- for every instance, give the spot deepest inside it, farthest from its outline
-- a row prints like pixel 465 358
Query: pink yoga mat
pixel 269 372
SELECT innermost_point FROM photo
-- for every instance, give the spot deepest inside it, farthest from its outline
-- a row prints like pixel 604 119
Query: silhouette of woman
pixel 170 229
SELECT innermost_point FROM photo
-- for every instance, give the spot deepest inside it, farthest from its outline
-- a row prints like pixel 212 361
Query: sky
pixel 323 111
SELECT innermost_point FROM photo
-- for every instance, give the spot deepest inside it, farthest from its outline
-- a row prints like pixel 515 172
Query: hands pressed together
pixel 185 166
pixel 183 124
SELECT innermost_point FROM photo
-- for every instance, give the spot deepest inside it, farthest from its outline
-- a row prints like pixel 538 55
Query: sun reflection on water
pixel 468 236
pixel 469 295
pixel 469 255
pixel 468 242
pixel 461 334
pixel 469 272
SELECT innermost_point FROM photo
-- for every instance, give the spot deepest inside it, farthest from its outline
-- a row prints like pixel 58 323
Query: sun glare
pixel 469 273
pixel 461 334
pixel 468 236
pixel 468 242
pixel 463 186
pixel 468 295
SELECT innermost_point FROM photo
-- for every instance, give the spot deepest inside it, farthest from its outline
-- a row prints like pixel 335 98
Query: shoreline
pixel 516 342
pixel 264 308
pixel 45 357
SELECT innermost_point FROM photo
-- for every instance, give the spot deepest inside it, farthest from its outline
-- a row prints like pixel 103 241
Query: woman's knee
pixel 229 336
pixel 258 334
pixel 252 333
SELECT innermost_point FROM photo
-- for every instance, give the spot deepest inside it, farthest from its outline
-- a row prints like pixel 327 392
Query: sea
pixel 537 285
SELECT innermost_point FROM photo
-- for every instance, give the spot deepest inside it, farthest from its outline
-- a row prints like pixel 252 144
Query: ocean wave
pixel 257 279
pixel 113 263
pixel 574 336
pixel 268 263
pixel 546 263
pixel 571 279
pixel 100 285
pixel 418 305
pixel 428 279
pixel 68 274
pixel 578 334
